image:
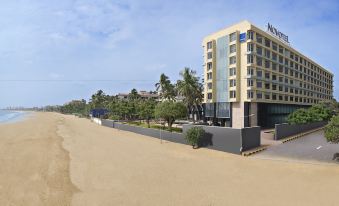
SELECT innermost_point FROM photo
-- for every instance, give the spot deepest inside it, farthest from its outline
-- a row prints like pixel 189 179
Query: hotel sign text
pixel 277 33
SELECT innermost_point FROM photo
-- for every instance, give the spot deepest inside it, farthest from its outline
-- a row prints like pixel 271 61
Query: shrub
pixel 316 113
pixel 332 130
pixel 193 136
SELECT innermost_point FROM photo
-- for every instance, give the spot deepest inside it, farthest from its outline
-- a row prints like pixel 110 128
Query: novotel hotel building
pixel 254 77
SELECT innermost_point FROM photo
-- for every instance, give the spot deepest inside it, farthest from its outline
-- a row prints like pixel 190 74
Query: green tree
pixel 75 106
pixel 332 130
pixel 146 110
pixel 191 89
pixel 170 111
pixel 300 116
pixel 98 100
pixel 316 113
pixel 165 88
pixel 133 95
pixel 319 112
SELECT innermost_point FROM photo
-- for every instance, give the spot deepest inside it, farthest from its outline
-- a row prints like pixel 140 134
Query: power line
pixel 74 80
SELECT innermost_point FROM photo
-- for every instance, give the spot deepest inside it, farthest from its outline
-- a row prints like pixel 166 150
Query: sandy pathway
pixel 112 167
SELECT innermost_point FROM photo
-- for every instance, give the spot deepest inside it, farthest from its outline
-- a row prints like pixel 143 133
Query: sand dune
pixel 52 159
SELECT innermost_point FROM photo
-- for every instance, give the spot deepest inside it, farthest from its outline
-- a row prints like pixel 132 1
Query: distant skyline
pixel 52 52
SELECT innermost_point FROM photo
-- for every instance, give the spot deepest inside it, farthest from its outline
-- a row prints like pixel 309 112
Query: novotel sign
pixel 277 33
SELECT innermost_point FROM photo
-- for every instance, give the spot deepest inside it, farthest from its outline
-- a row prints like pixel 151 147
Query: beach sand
pixel 52 159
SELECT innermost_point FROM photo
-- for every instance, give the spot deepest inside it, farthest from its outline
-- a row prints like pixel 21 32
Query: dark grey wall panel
pixel 250 138
pixel 107 123
pixel 287 130
pixel 160 134
pixel 220 138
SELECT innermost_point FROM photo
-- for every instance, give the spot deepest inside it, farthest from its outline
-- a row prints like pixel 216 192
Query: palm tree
pixel 98 100
pixel 165 88
pixel 191 89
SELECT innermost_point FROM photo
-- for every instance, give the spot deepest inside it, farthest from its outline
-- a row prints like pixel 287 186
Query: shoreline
pixel 22 116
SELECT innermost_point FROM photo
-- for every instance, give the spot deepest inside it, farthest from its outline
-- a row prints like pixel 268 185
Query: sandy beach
pixel 53 159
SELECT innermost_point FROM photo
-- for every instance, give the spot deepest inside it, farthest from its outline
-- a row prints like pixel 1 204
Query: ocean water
pixel 11 116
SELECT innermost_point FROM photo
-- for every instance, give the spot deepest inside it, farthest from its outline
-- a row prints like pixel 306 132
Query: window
pixel 280 88
pixel 267 42
pixel 286 98
pixel 209 55
pixel 267 53
pixel 259 38
pixel 249 47
pixel 274 66
pixel 209 75
pixel 209 95
pixel 286 70
pixel 249 82
pixel 267 96
pixel 281 59
pixel 249 94
pixel 281 79
pixel 274 77
pixel 274 46
pixel 267 64
pixel 209 45
pixel 259 61
pixel 250 34
pixel 259 84
pixel 250 71
pixel 281 49
pixel 280 97
pixel 267 85
pixel 233 37
pixel 209 66
pixel 259 73
pixel 274 97
pixel 259 50
pixel 233 71
pixel 274 87
pixel 274 56
pixel 281 68
pixel 259 95
pixel 233 48
pixel 232 83
pixel 233 60
pixel 249 58
pixel 267 75
pixel 232 94
pixel 209 85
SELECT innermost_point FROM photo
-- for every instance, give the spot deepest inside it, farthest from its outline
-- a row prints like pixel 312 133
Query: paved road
pixel 311 148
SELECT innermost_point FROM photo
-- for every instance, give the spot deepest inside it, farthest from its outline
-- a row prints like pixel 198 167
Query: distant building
pixel 143 95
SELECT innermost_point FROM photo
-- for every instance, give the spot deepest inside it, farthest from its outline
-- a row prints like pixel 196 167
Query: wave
pixel 10 116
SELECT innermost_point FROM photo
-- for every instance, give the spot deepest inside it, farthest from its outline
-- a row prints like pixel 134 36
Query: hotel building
pixel 253 77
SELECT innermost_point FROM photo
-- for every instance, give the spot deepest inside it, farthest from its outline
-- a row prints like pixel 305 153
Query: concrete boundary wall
pixel 229 139
pixel 224 139
pixel 96 120
pixel 160 134
pixel 286 130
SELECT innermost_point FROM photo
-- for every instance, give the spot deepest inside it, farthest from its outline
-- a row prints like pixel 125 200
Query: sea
pixel 7 116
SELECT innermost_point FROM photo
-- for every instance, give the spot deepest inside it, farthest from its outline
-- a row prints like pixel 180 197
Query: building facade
pixel 252 77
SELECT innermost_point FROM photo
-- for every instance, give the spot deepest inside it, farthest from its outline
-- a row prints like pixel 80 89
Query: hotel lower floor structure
pixel 254 78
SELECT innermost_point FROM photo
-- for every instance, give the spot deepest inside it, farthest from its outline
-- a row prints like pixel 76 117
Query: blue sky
pixel 133 42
